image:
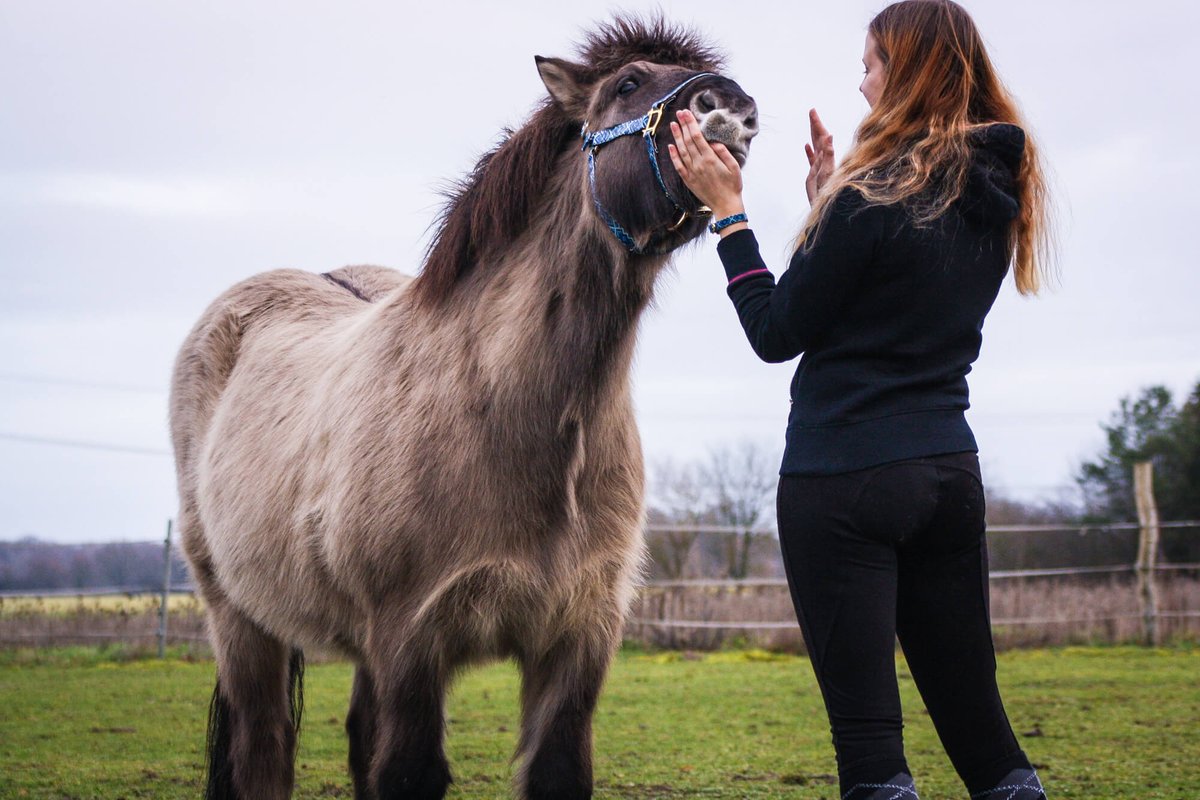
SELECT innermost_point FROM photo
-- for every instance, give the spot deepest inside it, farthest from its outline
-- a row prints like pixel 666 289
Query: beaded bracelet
pixel 722 224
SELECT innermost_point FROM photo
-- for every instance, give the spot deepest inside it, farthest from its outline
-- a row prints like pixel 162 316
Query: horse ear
pixel 567 84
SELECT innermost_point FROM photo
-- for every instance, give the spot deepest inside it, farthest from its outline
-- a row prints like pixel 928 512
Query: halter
pixel 647 125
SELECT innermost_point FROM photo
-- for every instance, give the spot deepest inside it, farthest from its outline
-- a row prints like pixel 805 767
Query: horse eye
pixel 627 86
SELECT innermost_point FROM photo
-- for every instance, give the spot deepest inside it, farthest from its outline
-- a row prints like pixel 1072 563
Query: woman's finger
pixel 691 130
pixel 821 137
pixel 680 136
pixel 816 127
pixel 695 150
pixel 722 152
pixel 680 167
pixel 810 153
pixel 681 143
pixel 822 140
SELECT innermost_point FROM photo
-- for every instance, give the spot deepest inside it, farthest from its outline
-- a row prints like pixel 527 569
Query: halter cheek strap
pixel 613 225
pixel 647 125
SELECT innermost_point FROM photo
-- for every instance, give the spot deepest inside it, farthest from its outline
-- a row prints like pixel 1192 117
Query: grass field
pixel 1098 722
pixel 62 605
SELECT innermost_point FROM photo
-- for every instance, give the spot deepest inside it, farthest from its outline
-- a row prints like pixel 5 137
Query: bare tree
pixel 739 482
pixel 734 486
pixel 677 498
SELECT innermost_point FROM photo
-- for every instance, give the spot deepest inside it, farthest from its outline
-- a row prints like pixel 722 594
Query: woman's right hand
pixel 820 156
pixel 708 169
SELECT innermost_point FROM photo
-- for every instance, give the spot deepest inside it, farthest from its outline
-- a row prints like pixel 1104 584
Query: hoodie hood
pixel 990 194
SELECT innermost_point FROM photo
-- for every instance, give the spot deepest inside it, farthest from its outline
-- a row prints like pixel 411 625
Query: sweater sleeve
pixel 783 320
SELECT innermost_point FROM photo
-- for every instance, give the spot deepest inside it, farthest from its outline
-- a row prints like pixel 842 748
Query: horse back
pixel 279 297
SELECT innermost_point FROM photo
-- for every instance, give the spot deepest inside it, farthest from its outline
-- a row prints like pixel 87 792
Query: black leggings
pixel 898 550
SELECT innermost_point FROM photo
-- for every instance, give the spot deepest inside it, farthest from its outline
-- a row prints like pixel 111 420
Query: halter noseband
pixel 647 125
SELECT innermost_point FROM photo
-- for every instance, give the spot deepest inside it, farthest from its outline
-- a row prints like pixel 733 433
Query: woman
pixel 880 505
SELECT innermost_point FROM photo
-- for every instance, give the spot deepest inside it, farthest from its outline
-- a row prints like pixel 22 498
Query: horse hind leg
pixel 560 688
pixel 255 712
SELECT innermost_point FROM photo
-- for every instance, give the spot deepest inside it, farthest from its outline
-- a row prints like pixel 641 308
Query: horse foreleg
pixel 409 761
pixel 559 693
pixel 254 713
pixel 360 729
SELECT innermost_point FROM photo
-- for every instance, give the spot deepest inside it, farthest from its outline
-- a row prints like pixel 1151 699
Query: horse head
pixel 623 96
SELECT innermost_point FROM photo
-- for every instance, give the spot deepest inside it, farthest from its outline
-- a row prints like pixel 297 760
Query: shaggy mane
pixel 493 205
pixel 634 38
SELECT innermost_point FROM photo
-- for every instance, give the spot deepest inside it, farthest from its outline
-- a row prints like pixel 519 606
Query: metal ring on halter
pixel 647 125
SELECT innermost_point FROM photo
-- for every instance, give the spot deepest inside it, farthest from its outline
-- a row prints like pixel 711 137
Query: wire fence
pixel 1144 600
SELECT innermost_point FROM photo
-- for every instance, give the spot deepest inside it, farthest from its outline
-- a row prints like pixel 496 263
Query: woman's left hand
pixel 709 170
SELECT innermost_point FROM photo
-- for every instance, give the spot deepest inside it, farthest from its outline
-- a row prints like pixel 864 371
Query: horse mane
pixel 634 38
pixel 493 205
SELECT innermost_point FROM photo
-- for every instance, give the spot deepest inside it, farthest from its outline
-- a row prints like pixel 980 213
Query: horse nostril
pixel 706 102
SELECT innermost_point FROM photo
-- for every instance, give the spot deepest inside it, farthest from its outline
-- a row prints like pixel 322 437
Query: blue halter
pixel 647 125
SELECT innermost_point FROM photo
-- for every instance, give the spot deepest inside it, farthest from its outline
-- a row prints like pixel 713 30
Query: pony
pixel 427 473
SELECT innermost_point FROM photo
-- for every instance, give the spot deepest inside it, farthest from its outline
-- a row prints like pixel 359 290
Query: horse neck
pixel 580 303
pixel 552 320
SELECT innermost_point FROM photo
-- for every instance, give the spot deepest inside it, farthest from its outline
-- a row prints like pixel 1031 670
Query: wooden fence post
pixel 1147 510
pixel 166 594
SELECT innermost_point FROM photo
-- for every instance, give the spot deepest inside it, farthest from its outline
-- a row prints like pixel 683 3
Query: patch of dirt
pixel 800 779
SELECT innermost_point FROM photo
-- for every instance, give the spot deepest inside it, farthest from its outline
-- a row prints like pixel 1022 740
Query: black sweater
pixel 888 316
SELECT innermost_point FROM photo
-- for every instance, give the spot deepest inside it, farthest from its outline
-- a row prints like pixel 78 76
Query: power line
pixel 764 416
pixel 79 384
pixel 81 445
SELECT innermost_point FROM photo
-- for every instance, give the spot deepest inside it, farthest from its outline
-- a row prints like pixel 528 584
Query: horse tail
pixel 217 761
pixel 217 743
pixel 296 688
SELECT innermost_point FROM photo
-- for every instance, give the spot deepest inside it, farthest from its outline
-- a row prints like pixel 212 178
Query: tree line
pixel 32 565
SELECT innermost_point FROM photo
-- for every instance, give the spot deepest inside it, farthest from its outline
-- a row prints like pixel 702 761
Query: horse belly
pixel 283 589
pixel 504 607
pixel 266 553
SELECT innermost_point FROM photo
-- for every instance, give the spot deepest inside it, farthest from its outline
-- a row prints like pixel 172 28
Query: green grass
pixel 1099 722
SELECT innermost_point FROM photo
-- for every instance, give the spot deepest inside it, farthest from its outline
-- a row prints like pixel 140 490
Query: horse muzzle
pixel 727 115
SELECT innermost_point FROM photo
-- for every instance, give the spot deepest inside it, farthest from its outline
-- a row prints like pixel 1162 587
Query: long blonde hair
pixel 914 145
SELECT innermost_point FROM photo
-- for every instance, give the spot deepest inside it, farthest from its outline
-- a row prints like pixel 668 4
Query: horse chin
pixel 737 148
pixel 671 239
pixel 733 135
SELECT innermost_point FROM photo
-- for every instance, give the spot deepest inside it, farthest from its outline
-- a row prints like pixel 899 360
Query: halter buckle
pixel 653 117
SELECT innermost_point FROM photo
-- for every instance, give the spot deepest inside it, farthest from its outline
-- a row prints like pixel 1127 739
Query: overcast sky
pixel 152 154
